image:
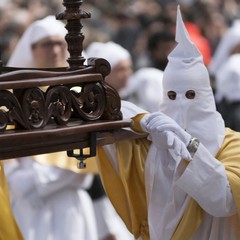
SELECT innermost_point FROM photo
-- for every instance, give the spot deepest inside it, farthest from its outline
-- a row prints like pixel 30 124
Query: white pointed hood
pixel 186 71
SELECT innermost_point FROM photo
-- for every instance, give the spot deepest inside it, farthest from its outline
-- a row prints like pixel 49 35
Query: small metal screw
pixel 81 164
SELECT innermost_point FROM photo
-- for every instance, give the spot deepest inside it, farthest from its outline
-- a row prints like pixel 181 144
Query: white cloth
pixel 50 203
pixel 108 221
pixel 112 52
pixel 22 55
pixel 145 89
pixel 228 80
pixel 130 110
pixel 230 39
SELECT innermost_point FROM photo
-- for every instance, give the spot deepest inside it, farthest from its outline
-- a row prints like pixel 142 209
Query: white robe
pixel 50 203
pixel 170 185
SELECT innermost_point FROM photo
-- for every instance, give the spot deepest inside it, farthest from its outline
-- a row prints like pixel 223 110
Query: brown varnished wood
pixel 50 139
pixel 36 120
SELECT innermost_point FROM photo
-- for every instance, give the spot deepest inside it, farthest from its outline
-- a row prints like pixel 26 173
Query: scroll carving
pixel 13 112
pixel 112 109
pixel 89 104
pixel 34 109
pixel 58 104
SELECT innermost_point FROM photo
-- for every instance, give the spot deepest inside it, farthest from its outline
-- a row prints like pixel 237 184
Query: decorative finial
pixel 73 14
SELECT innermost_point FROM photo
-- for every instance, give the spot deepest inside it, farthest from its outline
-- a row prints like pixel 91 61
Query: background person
pixel 48 192
pixel 121 69
pixel 227 92
pixel 144 88
pixel 120 61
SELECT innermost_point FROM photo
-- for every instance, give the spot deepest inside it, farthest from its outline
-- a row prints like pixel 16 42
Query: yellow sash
pixel 8 227
pixel 127 190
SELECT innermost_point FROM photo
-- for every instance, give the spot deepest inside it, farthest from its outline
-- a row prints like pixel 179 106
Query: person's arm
pixel 20 176
pixel 205 180
pixel 50 179
pixel 34 180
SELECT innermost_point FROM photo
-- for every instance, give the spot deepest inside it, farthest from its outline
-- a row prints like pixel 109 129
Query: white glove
pixel 166 133
pixel 169 140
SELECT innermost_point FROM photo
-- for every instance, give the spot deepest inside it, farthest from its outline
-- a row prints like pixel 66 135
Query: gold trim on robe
pixel 127 190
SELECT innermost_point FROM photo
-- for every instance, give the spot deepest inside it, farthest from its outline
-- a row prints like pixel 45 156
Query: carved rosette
pixel 89 104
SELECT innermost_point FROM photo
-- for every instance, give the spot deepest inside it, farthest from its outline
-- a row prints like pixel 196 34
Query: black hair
pixel 160 36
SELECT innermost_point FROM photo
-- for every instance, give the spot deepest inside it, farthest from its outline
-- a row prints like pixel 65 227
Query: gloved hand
pixel 169 140
pixel 166 133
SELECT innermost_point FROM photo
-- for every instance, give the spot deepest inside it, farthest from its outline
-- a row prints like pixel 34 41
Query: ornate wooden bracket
pixel 81 156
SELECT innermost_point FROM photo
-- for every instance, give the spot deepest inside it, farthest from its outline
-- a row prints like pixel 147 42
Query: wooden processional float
pixel 33 121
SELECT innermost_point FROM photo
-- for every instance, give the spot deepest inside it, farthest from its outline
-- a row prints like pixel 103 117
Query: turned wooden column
pixel 73 15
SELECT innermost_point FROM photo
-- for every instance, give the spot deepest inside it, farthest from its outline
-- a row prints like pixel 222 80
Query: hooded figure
pixel 189 171
pixel 145 88
pixel 48 191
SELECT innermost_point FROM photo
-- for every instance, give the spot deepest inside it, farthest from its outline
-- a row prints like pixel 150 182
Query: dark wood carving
pixel 28 106
pixel 49 110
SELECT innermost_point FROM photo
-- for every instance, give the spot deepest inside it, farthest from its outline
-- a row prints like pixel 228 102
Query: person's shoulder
pixel 231 134
pixel 232 138
pixel 230 145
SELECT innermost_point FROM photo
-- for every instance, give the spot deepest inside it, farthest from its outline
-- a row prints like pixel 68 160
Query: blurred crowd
pixel 134 24
pixel 145 33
